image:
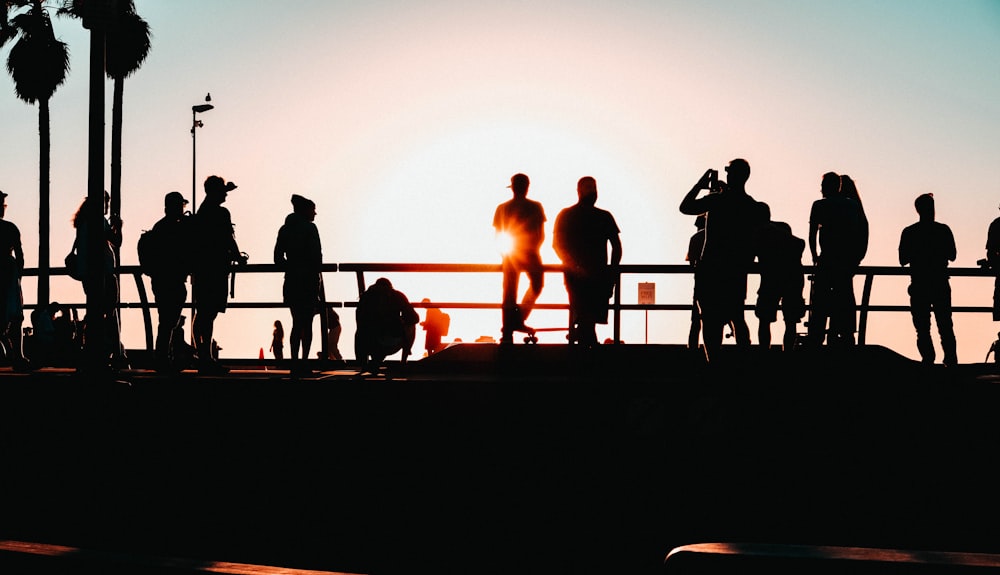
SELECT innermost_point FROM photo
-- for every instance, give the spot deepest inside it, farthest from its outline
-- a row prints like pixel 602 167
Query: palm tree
pixel 38 63
pixel 128 44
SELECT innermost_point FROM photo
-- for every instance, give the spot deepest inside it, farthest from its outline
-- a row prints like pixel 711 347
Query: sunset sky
pixel 404 121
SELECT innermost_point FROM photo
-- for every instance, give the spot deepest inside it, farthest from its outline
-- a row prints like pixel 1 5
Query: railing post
pixel 866 296
pixel 147 319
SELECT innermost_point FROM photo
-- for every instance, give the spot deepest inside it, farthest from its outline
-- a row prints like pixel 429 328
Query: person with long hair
pixel 102 333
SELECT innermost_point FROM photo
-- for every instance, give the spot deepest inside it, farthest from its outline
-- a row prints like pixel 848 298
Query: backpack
pixel 150 249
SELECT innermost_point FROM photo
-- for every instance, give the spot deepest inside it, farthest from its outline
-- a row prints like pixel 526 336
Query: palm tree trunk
pixel 44 151
pixel 116 153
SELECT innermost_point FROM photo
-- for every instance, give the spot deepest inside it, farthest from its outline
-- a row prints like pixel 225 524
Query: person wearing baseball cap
pixel 522 222
pixel 171 239
pixel 215 251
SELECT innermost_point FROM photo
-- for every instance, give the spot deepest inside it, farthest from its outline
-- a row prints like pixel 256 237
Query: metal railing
pixel 864 305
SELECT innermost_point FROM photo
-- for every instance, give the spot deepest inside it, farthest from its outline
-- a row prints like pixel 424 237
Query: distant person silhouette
pixel 927 246
pixel 169 279
pixel 386 323
pixel 216 252
pixel 333 331
pixel 523 222
pixel 66 338
pixel 731 224
pixel 104 351
pixel 11 296
pixel 835 229
pixel 695 245
pixel 298 252
pixel 782 280
pixel 435 324
pixel 278 341
pixel 993 260
pixel 581 237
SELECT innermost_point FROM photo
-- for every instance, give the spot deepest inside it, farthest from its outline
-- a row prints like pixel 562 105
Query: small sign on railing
pixel 647 293
pixel 647 296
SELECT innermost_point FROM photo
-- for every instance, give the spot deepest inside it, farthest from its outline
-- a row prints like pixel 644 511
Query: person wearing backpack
pixel 165 256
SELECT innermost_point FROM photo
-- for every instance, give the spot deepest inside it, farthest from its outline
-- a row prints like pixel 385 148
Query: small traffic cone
pixel 261 357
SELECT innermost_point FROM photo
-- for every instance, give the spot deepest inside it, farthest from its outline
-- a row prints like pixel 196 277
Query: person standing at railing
pixel 733 218
pixel 782 280
pixel 993 261
pixel 298 252
pixel 521 222
pixel 927 246
pixel 215 253
pixel 695 245
pixel 11 297
pixel 581 237
pixel 172 250
pixel 835 229
pixel 102 333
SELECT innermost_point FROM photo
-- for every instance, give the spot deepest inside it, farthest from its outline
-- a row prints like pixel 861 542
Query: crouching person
pixel 386 324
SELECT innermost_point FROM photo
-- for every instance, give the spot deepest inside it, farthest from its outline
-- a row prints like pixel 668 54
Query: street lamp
pixel 196 123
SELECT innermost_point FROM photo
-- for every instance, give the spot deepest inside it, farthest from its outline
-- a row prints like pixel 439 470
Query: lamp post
pixel 195 124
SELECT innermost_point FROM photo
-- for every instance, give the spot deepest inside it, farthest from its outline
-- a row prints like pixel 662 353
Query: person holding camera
pixel 732 221
pixel 215 253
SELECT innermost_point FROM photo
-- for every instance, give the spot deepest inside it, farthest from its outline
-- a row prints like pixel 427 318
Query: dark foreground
pixel 537 459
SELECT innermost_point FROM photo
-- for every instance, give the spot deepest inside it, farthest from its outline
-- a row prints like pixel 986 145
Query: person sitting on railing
pixel 386 323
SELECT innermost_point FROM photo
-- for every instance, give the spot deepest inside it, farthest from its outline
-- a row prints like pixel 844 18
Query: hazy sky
pixel 404 121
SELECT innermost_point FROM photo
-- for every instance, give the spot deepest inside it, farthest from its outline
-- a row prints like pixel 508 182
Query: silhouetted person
pixel 993 259
pixel 334 329
pixel 731 223
pixel 101 334
pixel 835 229
pixel 41 343
pixel 66 338
pixel 523 222
pixel 782 279
pixel 11 297
pixel 278 341
pixel 386 323
pixel 849 189
pixel 695 245
pixel 216 252
pixel 435 325
pixel 927 246
pixel 298 252
pixel 169 278
pixel 581 237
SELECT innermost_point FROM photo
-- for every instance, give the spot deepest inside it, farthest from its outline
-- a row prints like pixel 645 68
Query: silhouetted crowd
pixel 734 232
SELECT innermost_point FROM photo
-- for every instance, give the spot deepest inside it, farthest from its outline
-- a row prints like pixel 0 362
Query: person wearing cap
pixel 522 221
pixel 215 250
pixel 298 252
pixel 581 237
pixel 169 279
pixel 11 297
